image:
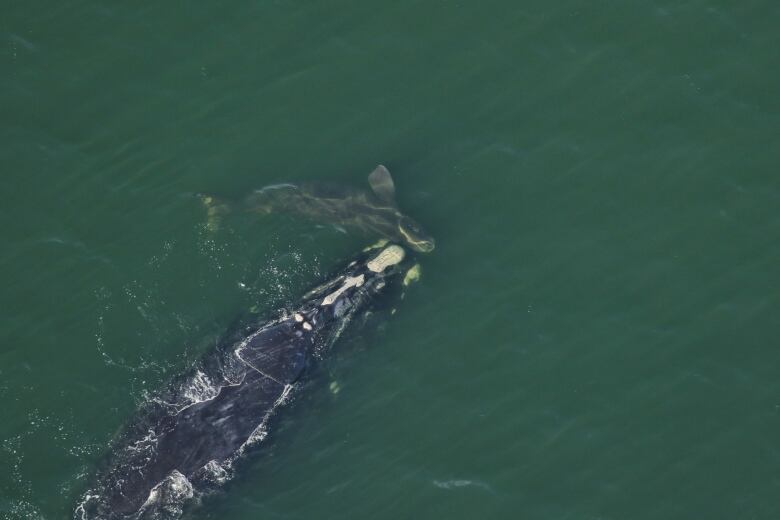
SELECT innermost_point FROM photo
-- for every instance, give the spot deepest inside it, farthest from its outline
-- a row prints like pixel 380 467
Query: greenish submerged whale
pixel 372 211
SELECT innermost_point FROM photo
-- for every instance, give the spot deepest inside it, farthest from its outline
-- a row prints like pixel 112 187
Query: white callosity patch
pixel 300 319
pixel 355 281
pixel 412 275
pixel 324 287
pixel 381 243
pixel 391 255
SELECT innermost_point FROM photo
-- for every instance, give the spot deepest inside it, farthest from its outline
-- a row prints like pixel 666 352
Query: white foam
pixel 170 493
pixel 200 389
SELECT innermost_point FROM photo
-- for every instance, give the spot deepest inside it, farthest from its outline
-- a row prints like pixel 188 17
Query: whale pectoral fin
pixel 382 242
pixel 382 183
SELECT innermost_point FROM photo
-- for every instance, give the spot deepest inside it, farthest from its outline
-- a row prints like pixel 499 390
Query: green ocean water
pixel 594 337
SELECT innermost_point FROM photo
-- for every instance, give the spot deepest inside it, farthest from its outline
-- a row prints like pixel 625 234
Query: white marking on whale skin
pixel 381 243
pixel 391 255
pixel 197 389
pixel 245 342
pixel 355 281
pixel 323 287
pixel 201 388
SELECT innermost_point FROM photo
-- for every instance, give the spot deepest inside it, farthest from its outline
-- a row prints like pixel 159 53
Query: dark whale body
pixel 186 440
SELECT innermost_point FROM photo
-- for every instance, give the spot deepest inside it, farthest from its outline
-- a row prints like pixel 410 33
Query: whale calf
pixel 375 212
pixel 185 441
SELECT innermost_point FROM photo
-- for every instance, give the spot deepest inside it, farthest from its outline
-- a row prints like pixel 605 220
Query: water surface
pixel 593 338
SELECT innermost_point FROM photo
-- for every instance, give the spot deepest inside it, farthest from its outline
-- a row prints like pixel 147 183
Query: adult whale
pixel 186 440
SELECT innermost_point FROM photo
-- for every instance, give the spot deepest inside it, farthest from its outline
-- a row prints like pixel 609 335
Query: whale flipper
pixel 382 183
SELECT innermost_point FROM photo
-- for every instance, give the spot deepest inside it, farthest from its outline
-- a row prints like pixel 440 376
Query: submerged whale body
pixel 185 442
pixel 375 212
